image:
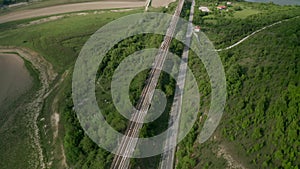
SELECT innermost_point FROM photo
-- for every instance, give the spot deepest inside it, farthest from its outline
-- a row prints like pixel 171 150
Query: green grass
pixel 66 36
pixel 245 13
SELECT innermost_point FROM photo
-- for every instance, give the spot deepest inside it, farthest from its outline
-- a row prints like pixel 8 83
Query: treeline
pixel 81 152
pixel 8 2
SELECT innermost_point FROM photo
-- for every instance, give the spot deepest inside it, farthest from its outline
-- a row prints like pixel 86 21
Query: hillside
pixel 261 123
pixel 260 126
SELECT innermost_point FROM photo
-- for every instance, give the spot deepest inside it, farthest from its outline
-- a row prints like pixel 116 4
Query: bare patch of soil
pixel 231 162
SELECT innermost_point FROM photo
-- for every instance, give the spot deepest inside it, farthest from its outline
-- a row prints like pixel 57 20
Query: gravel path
pixel 254 33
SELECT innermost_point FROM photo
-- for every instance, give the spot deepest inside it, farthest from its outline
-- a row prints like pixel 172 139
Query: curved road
pixel 59 9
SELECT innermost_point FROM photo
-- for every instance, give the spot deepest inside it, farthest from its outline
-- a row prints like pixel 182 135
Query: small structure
pixel 204 9
pixel 221 7
pixel 197 28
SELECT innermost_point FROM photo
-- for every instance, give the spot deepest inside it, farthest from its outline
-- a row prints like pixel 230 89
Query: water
pixel 14 78
pixel 280 2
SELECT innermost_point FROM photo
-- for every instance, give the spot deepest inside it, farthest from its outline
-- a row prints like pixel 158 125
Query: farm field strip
pixel 25 14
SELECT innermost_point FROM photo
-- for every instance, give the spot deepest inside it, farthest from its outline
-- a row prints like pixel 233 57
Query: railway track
pixel 129 141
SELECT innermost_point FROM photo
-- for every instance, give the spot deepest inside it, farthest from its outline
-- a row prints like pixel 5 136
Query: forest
pixel 260 127
pixel 8 2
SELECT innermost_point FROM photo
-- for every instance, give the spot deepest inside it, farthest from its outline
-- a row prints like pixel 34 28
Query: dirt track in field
pixel 59 9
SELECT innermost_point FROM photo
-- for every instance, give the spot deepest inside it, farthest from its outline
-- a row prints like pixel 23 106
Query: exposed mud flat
pixel 15 79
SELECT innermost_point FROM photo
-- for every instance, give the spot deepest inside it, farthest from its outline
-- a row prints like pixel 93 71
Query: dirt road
pixel 159 3
pixel 13 16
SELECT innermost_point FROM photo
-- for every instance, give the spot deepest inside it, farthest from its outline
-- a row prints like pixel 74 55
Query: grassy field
pixel 65 35
pixel 245 13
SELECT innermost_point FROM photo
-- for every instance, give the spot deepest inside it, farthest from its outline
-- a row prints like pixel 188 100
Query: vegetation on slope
pixel 260 127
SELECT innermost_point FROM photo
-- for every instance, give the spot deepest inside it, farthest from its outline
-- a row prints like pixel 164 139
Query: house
pixel 197 28
pixel 228 3
pixel 221 7
pixel 204 9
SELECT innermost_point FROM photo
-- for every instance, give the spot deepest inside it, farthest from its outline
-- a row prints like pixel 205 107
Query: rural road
pixel 159 3
pixel 167 160
pixel 59 9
